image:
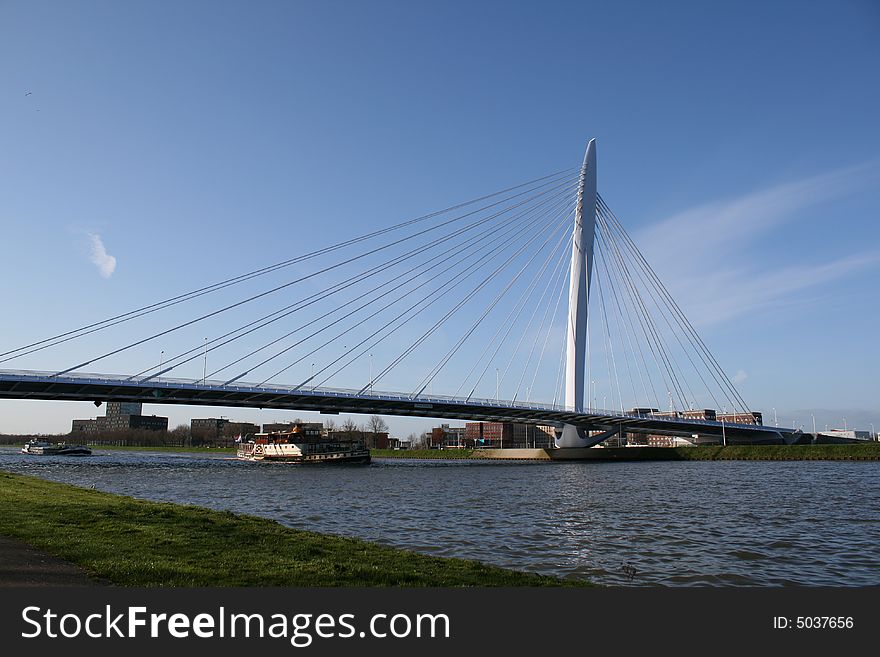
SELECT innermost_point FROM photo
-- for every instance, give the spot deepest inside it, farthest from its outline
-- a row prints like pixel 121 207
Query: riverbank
pixel 130 542
pixel 850 452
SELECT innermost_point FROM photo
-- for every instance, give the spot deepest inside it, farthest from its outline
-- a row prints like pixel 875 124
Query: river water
pixel 726 523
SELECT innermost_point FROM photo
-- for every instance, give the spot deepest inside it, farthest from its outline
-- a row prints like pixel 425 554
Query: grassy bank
pixel 138 543
pixel 852 452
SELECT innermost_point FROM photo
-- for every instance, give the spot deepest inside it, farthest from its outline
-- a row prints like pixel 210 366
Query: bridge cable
pixel 699 345
pixel 496 237
pixel 437 368
pixel 682 346
pixel 559 294
pixel 443 319
pixel 333 289
pixel 670 355
pixel 438 294
pixel 508 323
pixel 633 295
pixel 553 284
pixel 160 305
pixel 272 290
pixel 610 346
pixel 625 319
pixel 504 323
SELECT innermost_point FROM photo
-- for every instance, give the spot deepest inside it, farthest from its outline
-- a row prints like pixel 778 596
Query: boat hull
pixel 353 456
pixel 52 450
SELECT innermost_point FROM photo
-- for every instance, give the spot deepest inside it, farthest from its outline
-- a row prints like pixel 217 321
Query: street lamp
pixel 205 370
pixel 497 381
pixel 312 375
pixel 371 374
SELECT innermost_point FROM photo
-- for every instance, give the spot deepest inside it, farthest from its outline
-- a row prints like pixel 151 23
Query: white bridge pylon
pixel 579 298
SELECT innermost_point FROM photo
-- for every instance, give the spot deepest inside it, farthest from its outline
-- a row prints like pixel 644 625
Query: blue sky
pixel 738 142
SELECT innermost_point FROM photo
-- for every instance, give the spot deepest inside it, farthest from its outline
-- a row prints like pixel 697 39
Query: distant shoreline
pixel 851 452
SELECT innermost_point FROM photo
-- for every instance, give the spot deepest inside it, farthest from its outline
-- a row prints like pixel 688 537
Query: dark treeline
pixel 178 437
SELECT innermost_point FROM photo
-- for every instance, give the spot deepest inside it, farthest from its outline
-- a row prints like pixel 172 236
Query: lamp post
pixel 371 374
pixel 205 368
pixel 161 358
pixel 312 375
pixel 497 381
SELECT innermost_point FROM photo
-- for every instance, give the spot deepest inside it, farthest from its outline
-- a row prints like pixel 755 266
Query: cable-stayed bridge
pixel 538 281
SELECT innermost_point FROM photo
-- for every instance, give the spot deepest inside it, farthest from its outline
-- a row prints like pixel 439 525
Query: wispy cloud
pixel 99 257
pixel 712 272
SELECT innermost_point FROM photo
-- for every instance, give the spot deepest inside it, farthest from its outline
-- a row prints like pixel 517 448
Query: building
pixel 124 408
pixel 120 416
pixel 670 441
pixel 852 434
pixel 372 440
pixel 446 436
pixel 311 429
pixel 213 429
pixel 741 418
pixel 508 434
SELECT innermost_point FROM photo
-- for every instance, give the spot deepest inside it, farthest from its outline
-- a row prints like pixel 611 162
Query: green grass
pixel 851 452
pixel 856 452
pixel 138 543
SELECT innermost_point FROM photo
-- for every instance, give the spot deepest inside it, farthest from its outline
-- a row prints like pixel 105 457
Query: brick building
pixel 508 434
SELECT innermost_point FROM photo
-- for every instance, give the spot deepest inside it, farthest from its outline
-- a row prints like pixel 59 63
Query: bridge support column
pixel 579 298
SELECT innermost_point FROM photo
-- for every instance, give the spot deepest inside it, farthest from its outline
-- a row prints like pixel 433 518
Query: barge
pixel 295 447
pixel 44 448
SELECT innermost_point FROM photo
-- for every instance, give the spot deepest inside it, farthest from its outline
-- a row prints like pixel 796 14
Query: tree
pixel 350 428
pixel 330 426
pixel 377 425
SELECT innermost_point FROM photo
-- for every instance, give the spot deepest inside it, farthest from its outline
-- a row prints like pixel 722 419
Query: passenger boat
pixel 295 447
pixel 44 448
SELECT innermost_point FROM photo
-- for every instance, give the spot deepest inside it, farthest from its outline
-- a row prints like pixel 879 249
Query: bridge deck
pixel 25 384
